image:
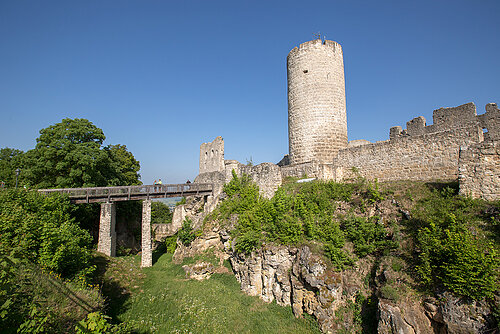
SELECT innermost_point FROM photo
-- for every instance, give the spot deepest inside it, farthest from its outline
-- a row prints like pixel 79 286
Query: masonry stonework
pixel 479 167
pixel 212 156
pixel 317 124
pixel 107 233
pixel 458 145
pixel 147 251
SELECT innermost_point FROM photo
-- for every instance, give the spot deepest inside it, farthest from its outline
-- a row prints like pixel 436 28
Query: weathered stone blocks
pixel 147 251
pixel 317 124
pixel 107 234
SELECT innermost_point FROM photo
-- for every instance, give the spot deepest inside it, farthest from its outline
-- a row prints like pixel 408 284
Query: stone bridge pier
pixel 107 235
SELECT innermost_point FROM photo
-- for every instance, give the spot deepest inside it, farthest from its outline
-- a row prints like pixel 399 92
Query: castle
pixel 459 145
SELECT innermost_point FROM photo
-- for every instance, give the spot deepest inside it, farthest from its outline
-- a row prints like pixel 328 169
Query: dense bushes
pixel 39 244
pixel 40 229
pixel 450 232
pixel 453 250
pixel 186 234
pixel 298 213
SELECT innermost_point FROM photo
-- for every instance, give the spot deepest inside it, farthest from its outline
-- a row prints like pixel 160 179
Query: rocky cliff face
pixel 299 278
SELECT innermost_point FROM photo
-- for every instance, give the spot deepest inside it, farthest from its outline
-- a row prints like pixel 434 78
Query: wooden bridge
pixel 131 193
pixel 107 196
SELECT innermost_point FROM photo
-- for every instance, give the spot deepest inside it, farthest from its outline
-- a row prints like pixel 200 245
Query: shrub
pixel 389 292
pixel 450 256
pixel 367 234
pixel 339 258
pixel 186 234
pixel 171 244
pixel 40 229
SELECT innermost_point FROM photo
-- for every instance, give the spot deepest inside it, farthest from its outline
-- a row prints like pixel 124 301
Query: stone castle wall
pixel 421 152
pixel 317 125
pixel 423 158
pixel 479 169
pixel 212 156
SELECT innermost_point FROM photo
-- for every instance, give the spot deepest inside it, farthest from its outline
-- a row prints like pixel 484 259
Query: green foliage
pixel 186 234
pixel 300 212
pixel 181 202
pixel 70 154
pixel 389 292
pixel 38 301
pixel 97 323
pixel 367 235
pixel 171 244
pixel 338 256
pixel 450 255
pixel 296 213
pixel 160 213
pixel 10 160
pixel 124 168
pixel 40 229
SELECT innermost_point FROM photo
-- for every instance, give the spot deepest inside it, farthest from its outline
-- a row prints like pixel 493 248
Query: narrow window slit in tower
pixel 305 71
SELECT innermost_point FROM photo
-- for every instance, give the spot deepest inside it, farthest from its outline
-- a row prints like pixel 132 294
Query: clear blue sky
pixel 164 76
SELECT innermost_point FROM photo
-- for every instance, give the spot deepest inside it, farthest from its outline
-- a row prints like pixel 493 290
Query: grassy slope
pixel 166 302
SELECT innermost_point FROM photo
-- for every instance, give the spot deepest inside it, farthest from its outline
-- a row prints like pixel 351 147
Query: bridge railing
pixel 132 192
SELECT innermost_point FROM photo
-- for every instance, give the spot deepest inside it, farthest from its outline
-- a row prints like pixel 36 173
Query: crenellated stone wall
pixel 425 157
pixel 420 152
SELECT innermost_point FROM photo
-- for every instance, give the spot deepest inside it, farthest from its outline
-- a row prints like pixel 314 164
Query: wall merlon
pixel 454 116
pixel 416 127
pixel 336 47
pixel 395 131
pixel 451 118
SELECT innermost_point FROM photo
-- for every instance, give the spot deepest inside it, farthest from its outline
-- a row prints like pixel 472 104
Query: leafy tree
pixel 70 154
pixel 10 160
pixel 125 168
pixel 160 213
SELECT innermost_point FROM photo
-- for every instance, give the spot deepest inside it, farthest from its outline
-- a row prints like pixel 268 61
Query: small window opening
pixel 305 71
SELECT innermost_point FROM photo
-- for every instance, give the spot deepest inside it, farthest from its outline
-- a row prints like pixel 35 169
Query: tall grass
pixel 169 303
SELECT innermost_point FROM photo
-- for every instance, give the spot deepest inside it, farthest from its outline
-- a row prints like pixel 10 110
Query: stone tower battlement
pixel 317 122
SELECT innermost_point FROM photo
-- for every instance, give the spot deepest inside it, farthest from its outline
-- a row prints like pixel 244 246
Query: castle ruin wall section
pixel 266 175
pixel 479 170
pixel 427 157
pixel 450 118
pixel 308 169
pixel 212 156
pixel 317 124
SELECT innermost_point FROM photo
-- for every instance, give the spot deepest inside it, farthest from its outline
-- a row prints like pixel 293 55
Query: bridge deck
pixel 131 193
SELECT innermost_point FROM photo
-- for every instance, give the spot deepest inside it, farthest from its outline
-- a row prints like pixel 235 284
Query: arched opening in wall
pixel 212 155
pixel 206 156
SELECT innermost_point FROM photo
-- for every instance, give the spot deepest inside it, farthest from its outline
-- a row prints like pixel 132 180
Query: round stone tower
pixel 317 124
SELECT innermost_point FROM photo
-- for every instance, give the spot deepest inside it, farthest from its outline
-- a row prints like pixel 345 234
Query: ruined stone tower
pixel 317 125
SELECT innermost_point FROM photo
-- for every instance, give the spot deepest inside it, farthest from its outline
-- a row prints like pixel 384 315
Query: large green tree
pixel 71 154
pixel 10 160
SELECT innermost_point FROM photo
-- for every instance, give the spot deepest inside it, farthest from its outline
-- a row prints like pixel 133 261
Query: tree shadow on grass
pixel 159 251
pixel 116 295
